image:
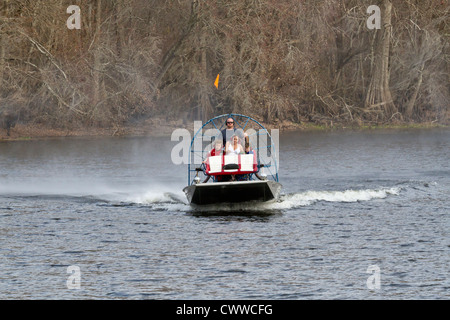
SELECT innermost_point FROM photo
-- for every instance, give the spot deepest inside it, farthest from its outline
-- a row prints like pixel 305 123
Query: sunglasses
pixel 229 122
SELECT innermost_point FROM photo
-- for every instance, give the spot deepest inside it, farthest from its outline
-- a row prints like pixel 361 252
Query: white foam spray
pixel 178 202
pixel 310 197
pixel 169 197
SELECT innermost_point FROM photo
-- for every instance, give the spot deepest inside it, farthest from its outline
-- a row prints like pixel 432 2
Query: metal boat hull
pixel 231 192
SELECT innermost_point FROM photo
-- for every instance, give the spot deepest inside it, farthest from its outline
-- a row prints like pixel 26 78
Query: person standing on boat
pixel 228 132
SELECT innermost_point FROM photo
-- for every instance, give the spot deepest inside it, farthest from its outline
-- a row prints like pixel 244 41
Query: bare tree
pixel 378 93
pixel 278 60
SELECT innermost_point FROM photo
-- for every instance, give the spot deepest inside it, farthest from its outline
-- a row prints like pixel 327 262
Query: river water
pixel 363 215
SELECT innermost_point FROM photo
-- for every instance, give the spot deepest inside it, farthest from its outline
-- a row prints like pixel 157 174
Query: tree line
pixel 294 60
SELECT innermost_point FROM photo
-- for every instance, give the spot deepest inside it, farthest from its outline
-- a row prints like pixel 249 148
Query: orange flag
pixel 216 83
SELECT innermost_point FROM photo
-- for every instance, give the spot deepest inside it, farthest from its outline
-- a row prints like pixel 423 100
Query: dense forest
pixel 278 60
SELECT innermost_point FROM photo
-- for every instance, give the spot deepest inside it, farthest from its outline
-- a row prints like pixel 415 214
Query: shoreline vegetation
pixel 23 132
pixel 147 67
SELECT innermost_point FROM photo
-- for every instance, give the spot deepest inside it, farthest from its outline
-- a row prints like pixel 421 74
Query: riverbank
pixel 161 127
pixel 153 127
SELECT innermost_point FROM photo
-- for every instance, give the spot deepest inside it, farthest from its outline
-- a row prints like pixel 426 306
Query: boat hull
pixel 231 192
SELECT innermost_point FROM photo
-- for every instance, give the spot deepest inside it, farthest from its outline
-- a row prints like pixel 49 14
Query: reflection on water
pixel 115 208
pixel 233 213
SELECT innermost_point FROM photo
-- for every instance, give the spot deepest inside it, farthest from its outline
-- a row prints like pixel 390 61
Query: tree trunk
pixel 3 43
pixel 97 67
pixel 409 109
pixel 378 93
pixel 169 57
pixel 120 25
pixel 205 103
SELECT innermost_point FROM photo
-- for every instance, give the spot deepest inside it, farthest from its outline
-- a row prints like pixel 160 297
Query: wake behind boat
pixel 239 163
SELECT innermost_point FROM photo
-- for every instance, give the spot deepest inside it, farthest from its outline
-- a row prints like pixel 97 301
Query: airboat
pixel 218 177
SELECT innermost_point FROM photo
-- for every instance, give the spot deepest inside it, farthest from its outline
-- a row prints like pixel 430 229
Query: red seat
pixel 246 164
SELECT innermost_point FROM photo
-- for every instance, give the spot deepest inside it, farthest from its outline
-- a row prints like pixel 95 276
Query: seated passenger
pixel 218 149
pixel 234 146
